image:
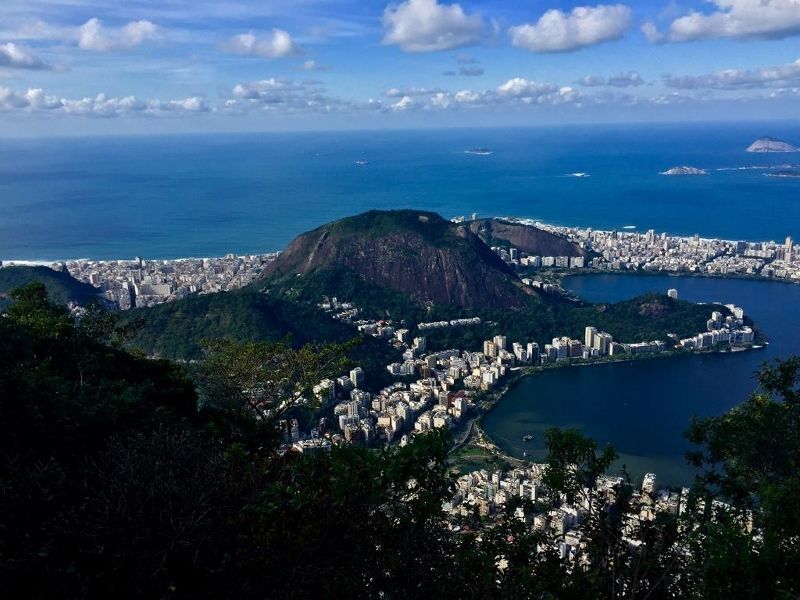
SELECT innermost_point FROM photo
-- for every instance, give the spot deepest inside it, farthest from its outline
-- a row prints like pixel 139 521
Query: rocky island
pixel 769 144
pixel 685 171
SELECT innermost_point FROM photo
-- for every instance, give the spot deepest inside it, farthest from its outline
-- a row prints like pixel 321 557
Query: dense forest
pixel 122 476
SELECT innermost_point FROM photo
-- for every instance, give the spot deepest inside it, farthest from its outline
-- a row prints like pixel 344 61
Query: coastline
pixel 496 397
pixel 590 272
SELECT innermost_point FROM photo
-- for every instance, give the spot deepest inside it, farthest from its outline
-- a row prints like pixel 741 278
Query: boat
pixel 527 438
pixel 478 151
pixel 580 174
pixel 362 162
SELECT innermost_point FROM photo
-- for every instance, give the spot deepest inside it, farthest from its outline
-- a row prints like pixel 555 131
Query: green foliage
pixel 113 483
pixel 573 464
pixel 380 223
pixel 178 329
pixel 267 379
pixel 750 458
pixel 61 287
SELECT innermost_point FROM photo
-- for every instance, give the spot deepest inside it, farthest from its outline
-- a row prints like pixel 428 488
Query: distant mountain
pixel 415 253
pixel 526 238
pixel 62 288
pixel 768 144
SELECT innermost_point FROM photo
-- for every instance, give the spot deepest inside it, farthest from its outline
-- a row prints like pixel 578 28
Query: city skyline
pixel 96 66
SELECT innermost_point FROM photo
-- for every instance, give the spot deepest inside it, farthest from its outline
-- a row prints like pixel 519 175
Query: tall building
pixel 357 377
pixel 533 352
pixel 588 339
pixel 500 342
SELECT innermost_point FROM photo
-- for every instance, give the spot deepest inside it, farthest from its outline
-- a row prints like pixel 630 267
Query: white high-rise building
pixel 588 339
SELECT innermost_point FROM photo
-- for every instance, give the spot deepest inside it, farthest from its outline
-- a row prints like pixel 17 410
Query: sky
pixel 152 66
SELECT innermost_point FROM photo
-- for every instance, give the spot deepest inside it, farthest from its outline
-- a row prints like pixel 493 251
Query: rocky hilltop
pixel 675 171
pixel 768 144
pixel 525 238
pixel 416 253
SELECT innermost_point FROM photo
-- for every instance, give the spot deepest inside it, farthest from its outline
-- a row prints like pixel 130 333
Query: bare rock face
pixel 768 144
pixel 528 239
pixel 412 252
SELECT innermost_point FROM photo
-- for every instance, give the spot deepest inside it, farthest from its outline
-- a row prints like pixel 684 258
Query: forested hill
pixel 61 286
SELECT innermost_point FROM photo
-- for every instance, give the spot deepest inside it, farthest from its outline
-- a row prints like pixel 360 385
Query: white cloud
pixel 312 65
pixel 93 35
pixel 621 80
pixel 13 56
pixel 652 34
pixel 275 44
pixel 592 81
pixel 557 31
pixel 427 26
pixel 732 79
pixel 733 19
pixel 35 100
pixel 290 96
pixel 412 91
pixel 519 87
pixel 403 104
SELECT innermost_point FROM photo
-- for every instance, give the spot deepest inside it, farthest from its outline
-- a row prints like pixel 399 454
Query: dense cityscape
pixel 142 282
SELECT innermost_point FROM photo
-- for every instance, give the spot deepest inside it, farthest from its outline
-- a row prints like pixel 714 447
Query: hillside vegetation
pixel 61 287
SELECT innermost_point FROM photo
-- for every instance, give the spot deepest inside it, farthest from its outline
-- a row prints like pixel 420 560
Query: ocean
pixel 207 195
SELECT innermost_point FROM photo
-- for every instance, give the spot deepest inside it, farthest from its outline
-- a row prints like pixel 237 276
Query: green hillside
pixel 61 286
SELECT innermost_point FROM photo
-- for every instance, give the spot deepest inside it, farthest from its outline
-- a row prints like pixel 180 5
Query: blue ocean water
pixel 172 196
pixel 642 408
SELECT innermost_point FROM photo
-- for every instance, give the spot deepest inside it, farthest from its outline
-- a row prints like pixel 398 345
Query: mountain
pixel 62 288
pixel 526 238
pixel 768 144
pixel 415 253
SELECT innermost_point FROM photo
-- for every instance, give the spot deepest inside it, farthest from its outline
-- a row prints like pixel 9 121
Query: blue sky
pixel 113 66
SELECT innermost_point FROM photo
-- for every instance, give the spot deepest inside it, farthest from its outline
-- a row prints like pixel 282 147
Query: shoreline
pixel 496 397
pixel 590 272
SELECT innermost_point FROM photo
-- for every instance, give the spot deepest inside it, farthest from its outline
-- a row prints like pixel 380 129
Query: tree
pixel 751 463
pixel 267 379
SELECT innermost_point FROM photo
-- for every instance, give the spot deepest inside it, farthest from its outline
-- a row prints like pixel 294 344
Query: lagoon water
pixel 643 407
pixel 172 196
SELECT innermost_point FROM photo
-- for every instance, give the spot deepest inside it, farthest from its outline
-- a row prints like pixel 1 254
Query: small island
pixel 684 171
pixel 784 174
pixel 769 144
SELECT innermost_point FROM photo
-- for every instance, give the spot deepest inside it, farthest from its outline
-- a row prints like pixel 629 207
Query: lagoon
pixel 643 407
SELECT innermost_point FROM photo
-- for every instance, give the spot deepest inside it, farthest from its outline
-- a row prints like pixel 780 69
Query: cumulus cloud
pixel 519 87
pixel 291 96
pixel 403 104
pixel 525 91
pixel 733 79
pixel 733 19
pixel 275 44
pixel 427 26
pixel 557 31
pixel 312 65
pixel 413 91
pixel 35 100
pixel 621 80
pixel 13 56
pixel 93 35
